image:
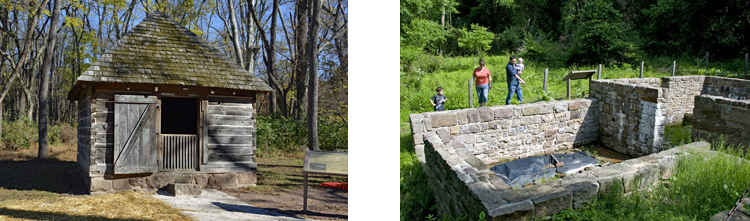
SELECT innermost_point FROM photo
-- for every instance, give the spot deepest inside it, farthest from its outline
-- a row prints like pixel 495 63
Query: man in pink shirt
pixel 483 81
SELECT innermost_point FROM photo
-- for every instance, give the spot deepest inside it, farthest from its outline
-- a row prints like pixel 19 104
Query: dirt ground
pixel 280 189
pixel 20 170
pixel 51 189
pixel 605 154
pixel 52 182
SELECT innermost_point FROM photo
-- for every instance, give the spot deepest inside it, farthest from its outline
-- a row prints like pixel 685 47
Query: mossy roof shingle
pixel 161 51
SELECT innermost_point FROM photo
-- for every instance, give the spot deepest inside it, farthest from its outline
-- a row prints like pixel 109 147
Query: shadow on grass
pixel 35 215
pixel 45 175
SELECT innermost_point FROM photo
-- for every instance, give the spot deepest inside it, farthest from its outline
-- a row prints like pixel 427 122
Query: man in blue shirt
pixel 513 81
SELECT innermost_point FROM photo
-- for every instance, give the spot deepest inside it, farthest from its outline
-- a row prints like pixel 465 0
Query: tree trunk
pixel 300 57
pixel 312 100
pixel 250 42
pixel 235 34
pixel 270 54
pixel 44 84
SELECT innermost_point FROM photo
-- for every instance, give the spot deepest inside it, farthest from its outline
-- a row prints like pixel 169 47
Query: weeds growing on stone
pixel 702 185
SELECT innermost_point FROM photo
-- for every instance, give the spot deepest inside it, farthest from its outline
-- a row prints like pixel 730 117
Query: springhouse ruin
pixel 626 115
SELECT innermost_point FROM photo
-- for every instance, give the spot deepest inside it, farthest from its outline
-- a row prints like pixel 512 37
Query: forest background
pixel 269 38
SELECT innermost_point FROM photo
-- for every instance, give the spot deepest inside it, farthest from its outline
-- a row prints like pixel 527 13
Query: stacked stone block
pixel 680 93
pixel 463 184
pixel 631 115
pixel 733 88
pixel 495 134
pixel 715 116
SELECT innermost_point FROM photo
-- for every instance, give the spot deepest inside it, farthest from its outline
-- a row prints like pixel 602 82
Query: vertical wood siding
pixel 180 151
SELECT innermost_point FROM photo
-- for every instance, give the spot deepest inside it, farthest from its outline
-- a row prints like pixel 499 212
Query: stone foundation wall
pixel 715 116
pixel 632 114
pixel 646 82
pixel 463 184
pixel 680 95
pixel 100 185
pixel 733 88
pixel 494 134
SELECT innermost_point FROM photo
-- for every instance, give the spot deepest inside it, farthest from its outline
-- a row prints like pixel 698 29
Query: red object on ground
pixel 343 186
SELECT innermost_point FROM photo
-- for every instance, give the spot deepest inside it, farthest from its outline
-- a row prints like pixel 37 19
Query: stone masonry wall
pixel 632 114
pixel 680 94
pixel 463 184
pixel 715 116
pixel 649 82
pixel 733 88
pixel 494 134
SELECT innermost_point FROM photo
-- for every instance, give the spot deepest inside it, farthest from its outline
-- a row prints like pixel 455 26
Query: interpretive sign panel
pixel 326 162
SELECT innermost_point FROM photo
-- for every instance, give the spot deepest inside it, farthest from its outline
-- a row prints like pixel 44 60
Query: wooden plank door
pixel 135 134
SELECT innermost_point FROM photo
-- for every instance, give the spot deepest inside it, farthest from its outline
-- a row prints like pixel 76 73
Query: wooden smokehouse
pixel 164 106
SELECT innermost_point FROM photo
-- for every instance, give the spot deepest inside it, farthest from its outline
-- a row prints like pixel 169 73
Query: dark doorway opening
pixel 179 115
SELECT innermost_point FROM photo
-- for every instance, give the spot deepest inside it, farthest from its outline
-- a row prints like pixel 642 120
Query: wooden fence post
pixel 599 74
pixel 641 69
pixel 707 61
pixel 545 79
pixel 471 95
pixel 674 67
pixel 746 65
pixel 568 88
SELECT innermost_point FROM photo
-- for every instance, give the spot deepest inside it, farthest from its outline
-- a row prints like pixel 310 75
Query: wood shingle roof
pixel 161 51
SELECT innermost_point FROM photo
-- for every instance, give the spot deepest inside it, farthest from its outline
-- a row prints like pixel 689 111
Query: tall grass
pixel 678 134
pixel 417 201
pixel 702 185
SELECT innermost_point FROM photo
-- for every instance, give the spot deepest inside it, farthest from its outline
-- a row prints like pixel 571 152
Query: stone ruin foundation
pixel 629 116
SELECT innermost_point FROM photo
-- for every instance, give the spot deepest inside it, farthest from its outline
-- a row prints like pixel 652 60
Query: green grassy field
pixel 417 202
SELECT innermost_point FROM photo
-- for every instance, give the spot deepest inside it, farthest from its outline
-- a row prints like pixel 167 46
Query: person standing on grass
pixel 514 81
pixel 483 81
pixel 438 101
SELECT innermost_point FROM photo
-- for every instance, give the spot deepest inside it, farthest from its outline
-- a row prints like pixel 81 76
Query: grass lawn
pixel 417 201
pixel 283 173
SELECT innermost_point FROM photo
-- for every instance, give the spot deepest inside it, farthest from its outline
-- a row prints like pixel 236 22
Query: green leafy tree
pixel 600 36
pixel 424 34
pixel 477 40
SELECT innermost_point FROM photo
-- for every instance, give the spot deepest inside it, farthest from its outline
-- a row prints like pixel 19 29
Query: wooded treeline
pixel 566 32
pixel 270 38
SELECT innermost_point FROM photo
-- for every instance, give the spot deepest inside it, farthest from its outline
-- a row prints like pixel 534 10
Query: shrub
pixel 287 135
pixel 62 133
pixel 19 134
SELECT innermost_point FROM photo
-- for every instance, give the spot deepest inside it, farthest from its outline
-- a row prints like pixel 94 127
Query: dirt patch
pixel 280 189
pixel 605 154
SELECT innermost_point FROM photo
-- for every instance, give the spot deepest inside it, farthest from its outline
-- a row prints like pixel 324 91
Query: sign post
pixel 575 75
pixel 325 163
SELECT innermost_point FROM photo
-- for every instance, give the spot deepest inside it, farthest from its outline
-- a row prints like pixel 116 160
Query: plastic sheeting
pixel 527 170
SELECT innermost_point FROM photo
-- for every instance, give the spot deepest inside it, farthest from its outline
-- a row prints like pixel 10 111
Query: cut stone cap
pixel 159 50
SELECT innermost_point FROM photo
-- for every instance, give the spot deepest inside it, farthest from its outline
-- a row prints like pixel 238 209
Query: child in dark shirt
pixel 438 100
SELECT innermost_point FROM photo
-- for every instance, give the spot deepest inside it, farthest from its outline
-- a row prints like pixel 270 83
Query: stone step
pixel 184 189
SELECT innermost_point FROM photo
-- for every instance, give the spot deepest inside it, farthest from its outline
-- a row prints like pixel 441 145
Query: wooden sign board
pixel 326 162
pixel 575 75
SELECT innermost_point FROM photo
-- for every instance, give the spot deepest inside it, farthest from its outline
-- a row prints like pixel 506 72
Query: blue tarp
pixel 527 170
